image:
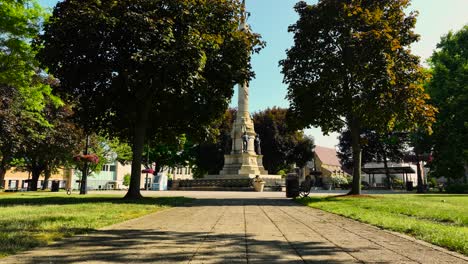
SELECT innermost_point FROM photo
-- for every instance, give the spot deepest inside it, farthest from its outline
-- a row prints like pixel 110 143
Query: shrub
pixel 282 172
pixel 126 180
pixel 457 188
pixel 432 182
pixel 338 179
pixel 397 182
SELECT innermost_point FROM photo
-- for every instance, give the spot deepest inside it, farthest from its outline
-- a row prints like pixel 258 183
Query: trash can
pixel 409 186
pixel 292 185
pixel 55 186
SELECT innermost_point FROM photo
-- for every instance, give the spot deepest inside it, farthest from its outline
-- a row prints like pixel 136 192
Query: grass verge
pixel 29 220
pixel 438 219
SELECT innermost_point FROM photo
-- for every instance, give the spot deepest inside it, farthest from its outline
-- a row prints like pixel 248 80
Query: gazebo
pixel 404 171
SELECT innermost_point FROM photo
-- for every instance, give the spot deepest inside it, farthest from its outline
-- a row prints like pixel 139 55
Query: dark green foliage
pixel 142 69
pixel 209 154
pixel 449 92
pixel 50 147
pixel 457 188
pixel 282 145
pixel 173 153
pixel 375 147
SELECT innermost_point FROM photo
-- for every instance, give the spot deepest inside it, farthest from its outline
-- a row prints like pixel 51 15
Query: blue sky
pixel 271 19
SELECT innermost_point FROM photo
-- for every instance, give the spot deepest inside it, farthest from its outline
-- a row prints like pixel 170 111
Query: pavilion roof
pixel 391 170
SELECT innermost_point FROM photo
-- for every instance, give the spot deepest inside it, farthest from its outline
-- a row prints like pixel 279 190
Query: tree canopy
pixel 50 147
pixel 449 92
pixel 282 145
pixel 351 66
pixel 24 88
pixel 146 68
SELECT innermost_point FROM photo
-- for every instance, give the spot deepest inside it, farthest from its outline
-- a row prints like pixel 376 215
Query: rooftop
pixel 328 156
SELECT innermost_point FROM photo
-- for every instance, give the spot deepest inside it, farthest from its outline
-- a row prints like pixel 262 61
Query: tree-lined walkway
pixel 243 230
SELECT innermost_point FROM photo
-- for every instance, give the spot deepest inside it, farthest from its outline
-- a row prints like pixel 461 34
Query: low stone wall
pixel 224 184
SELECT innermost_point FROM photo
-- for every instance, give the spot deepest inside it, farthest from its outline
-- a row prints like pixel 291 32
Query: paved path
pixel 239 230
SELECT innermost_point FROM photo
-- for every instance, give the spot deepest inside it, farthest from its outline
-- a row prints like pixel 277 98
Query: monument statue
pixel 258 149
pixel 245 142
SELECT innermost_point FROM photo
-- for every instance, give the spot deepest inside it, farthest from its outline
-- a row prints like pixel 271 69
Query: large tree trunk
pixel 2 177
pixel 47 174
pixel 35 174
pixel 357 152
pixel 4 166
pixel 137 148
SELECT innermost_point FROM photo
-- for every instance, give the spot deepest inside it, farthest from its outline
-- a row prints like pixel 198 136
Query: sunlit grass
pixel 438 219
pixel 28 220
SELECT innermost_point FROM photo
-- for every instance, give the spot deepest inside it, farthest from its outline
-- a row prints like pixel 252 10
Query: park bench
pixel 304 188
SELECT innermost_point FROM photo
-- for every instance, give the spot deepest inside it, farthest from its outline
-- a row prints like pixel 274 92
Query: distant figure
pixel 258 149
pixel 245 142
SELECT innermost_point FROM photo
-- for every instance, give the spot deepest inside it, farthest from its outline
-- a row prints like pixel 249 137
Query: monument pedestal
pixel 242 164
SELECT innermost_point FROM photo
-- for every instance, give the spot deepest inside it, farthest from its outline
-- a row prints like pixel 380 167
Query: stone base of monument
pixel 243 165
pixel 228 183
pixel 243 176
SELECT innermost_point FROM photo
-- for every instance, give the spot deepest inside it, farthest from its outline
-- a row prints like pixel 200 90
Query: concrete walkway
pixel 240 228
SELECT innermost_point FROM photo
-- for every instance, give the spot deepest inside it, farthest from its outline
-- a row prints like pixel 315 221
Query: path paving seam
pixel 207 234
pixel 361 236
pixel 245 234
pixel 313 230
pixel 393 233
pixel 289 242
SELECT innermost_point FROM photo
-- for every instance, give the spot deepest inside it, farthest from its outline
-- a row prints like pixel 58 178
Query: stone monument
pixel 243 161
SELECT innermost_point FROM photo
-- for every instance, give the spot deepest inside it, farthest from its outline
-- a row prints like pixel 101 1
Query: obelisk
pixel 243 161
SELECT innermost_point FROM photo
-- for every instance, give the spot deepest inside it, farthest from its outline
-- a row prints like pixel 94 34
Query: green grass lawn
pixel 28 220
pixel 439 219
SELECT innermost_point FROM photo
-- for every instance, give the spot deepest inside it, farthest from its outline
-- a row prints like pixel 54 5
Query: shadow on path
pixel 148 246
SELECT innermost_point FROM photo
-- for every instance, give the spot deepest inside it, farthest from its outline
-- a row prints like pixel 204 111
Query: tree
pixel 375 148
pixel 208 155
pixel 50 147
pixel 169 154
pixel 449 92
pixel 10 131
pixel 23 87
pixel 351 66
pixel 144 68
pixel 282 145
